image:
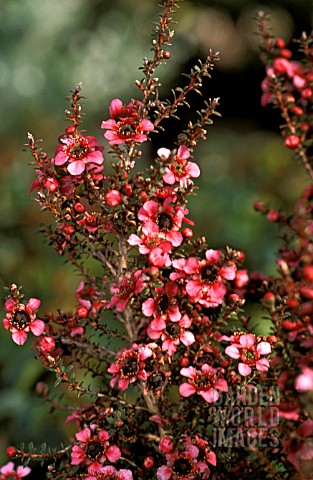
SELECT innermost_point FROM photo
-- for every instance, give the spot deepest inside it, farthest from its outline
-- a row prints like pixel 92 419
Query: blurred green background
pixel 47 47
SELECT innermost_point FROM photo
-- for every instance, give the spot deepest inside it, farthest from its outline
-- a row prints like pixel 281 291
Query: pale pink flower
pixel 304 381
pixel 8 472
pixel 248 349
pixel 180 169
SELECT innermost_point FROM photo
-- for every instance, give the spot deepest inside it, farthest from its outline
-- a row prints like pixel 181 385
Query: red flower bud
pixel 306 93
pixel 79 207
pixel 285 52
pixel 148 462
pixel 70 129
pixel 184 362
pixel 292 141
pixel 279 42
pixel 297 110
pixel 187 232
pixel 308 272
pixel 68 229
pixel 273 215
pixel 128 189
pixel 144 196
pixel 113 198
pixel 11 451
pixel 82 312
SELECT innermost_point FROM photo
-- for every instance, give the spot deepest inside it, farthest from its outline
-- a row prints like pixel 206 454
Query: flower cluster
pixel 160 340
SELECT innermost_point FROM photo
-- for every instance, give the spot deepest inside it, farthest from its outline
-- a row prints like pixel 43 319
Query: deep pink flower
pixel 165 217
pixel 164 304
pixel 171 333
pixel 130 285
pixel 249 349
pixel 94 222
pixel 205 278
pixel 180 170
pixel 183 464
pixel 21 319
pixel 152 244
pixel 110 472
pixel 129 366
pixel 94 449
pixel 124 125
pixel 77 152
pixel 8 472
pixel 207 383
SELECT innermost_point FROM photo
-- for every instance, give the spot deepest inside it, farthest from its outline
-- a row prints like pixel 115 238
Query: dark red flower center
pixel 248 356
pixel 182 467
pixel 78 150
pixel 127 130
pixel 172 329
pixel 163 303
pixel 20 319
pixel 164 222
pixel 94 450
pixel 127 288
pixel 130 367
pixel 156 379
pixel 92 221
pixel 209 273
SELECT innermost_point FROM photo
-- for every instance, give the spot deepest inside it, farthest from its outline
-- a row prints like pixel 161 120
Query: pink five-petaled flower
pixel 163 305
pixel 249 349
pixel 206 383
pixel 110 472
pixel 183 465
pixel 129 366
pixel 94 449
pixel 7 472
pixel 205 278
pixel 21 319
pixel 180 170
pixel 124 125
pixel 171 333
pixel 131 284
pixel 166 218
pixel 77 152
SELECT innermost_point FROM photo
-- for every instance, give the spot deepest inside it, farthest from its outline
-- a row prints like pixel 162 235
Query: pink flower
pixel 249 349
pixel 180 170
pixel 108 472
pixel 152 244
pixel 94 222
pixel 130 285
pixel 125 126
pixel 78 152
pixel 207 383
pixel 166 219
pixel 21 319
pixel 205 278
pixel 130 366
pixel 183 464
pixel 164 304
pixel 7 472
pixel 171 333
pixel 304 381
pixel 94 449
